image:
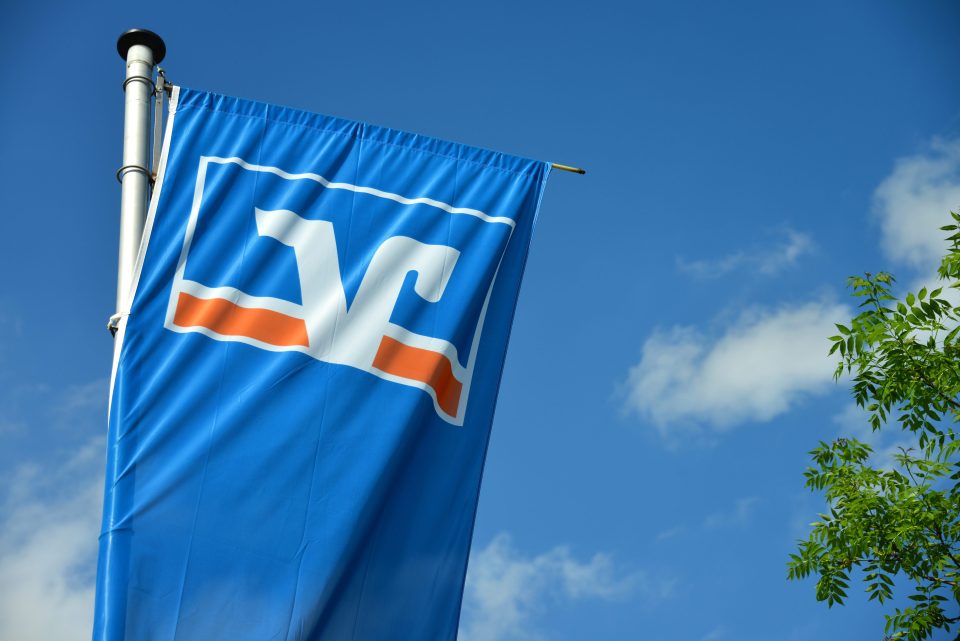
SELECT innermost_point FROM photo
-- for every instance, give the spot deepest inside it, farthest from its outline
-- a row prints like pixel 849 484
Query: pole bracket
pixel 126 169
pixel 159 89
pixel 145 79
pixel 113 324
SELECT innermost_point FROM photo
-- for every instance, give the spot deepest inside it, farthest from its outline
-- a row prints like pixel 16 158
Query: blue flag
pixel 306 379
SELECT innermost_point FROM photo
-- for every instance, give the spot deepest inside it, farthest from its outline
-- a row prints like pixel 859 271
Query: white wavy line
pixel 364 190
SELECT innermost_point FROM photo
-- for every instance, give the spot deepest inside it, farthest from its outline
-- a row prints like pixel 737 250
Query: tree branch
pixel 913 361
pixel 947 547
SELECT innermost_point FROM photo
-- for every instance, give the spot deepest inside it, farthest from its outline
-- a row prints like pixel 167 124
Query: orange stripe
pixel 229 319
pixel 424 365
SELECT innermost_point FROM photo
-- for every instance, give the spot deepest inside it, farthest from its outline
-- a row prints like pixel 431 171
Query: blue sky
pixel 667 372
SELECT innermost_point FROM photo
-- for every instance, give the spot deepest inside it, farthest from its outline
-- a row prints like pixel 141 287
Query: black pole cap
pixel 142 37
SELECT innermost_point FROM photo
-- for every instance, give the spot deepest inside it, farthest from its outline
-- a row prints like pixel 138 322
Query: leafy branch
pixel 898 524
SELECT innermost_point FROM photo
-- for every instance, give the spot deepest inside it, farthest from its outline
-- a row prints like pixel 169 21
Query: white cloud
pixel 913 202
pixel 48 546
pixel 759 367
pixel 506 590
pixel 768 260
pixel 738 516
pixel 768 360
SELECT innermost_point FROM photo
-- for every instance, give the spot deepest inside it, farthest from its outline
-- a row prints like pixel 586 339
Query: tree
pixel 898 524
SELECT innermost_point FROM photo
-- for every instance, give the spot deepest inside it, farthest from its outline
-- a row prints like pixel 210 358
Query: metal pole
pixel 141 49
pixel 574 170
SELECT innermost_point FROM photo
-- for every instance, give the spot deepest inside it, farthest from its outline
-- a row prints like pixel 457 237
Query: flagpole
pixel 572 170
pixel 141 49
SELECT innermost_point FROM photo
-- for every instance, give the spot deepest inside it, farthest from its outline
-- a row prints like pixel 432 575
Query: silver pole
pixel 141 49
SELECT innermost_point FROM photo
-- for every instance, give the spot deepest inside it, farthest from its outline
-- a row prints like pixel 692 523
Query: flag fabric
pixel 304 388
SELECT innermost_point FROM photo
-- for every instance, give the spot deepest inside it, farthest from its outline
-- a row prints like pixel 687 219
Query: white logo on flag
pixel 322 326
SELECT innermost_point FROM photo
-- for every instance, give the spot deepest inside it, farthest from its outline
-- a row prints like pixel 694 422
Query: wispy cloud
pixel 886 443
pixel 913 202
pixel 48 532
pixel 670 533
pixel 30 406
pixel 506 591
pixel 715 634
pixel 854 422
pixel 738 516
pixel 81 403
pixel 765 260
pixel 755 368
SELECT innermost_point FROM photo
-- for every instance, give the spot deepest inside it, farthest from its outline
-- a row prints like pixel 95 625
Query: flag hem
pixel 373 134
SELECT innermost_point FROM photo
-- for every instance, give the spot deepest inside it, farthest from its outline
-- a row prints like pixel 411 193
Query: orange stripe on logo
pixel 229 319
pixel 424 365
